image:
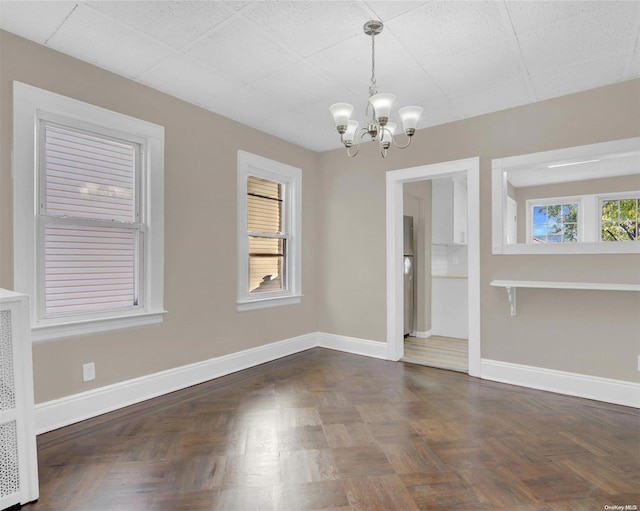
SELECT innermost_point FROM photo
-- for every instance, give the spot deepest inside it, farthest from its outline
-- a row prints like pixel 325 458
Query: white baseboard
pixel 422 335
pixel 61 412
pixel 353 345
pixel 572 384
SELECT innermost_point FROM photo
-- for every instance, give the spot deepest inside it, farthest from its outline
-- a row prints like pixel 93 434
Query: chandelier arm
pixel 363 131
pixel 393 140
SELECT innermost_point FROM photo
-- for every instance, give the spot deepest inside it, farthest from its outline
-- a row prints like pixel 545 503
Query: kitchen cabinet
pixel 449 306
pixel 449 211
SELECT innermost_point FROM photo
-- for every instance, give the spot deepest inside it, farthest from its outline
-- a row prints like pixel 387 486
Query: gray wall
pixel 344 273
pixel 590 332
pixel 200 229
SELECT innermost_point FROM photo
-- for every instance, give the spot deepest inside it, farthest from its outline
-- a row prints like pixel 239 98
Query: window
pixel 620 217
pixel 88 188
pixel 269 224
pixel 587 218
pixel 553 221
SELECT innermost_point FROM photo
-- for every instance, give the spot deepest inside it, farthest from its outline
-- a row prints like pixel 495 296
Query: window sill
pixel 602 247
pixel 264 303
pixel 50 332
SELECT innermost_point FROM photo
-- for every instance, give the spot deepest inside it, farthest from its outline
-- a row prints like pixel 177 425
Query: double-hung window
pixel 269 226
pixel 88 215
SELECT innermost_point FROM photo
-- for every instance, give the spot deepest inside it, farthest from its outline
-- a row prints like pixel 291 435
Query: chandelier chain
pixel 373 89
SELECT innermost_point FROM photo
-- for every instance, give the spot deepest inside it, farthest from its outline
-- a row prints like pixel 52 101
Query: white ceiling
pixel 277 65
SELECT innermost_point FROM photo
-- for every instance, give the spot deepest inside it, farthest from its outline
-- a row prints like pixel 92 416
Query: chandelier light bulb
pixel 350 135
pixel 410 116
pixel 386 134
pixel 382 104
pixel 341 113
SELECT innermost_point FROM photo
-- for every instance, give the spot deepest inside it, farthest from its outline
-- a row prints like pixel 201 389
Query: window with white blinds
pixel 267 241
pixel 88 211
pixel 268 232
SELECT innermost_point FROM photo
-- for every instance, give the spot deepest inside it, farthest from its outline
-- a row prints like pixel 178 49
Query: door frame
pixel 469 167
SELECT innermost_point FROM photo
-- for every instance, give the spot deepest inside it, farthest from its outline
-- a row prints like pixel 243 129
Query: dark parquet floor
pixel 329 430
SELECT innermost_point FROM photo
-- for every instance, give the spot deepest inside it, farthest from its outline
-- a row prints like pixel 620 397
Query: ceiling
pixel 277 66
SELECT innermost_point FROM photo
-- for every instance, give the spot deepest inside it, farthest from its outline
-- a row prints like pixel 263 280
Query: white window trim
pixel 553 201
pixel 254 165
pixel 589 213
pixel 30 105
pixel 600 198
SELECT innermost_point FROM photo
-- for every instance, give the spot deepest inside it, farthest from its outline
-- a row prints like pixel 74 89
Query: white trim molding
pixel 538 163
pixel 68 410
pixel 572 384
pixel 290 178
pixel 422 335
pixel 353 345
pixel 395 180
pixel 30 106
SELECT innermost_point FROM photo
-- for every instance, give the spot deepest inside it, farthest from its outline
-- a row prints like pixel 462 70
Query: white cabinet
pixel 449 211
pixel 18 462
pixel 449 307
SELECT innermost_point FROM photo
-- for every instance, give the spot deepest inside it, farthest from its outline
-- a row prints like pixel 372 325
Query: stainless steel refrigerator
pixel 408 261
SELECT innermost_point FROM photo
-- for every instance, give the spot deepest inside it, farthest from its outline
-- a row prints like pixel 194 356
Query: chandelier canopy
pixel 376 113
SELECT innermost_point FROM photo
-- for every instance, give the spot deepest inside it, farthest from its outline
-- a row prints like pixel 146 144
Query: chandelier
pixel 376 113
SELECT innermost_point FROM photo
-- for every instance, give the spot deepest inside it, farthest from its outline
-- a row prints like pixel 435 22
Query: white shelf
pixel 512 285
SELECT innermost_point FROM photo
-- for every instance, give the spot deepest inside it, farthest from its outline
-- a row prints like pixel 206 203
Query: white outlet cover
pixel 88 372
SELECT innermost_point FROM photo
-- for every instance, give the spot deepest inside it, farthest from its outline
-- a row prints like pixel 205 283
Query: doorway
pixel 468 168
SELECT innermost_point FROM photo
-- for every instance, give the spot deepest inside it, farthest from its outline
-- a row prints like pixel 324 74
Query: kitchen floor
pixel 437 351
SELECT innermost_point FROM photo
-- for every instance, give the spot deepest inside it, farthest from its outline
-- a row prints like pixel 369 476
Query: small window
pixel 554 222
pixel 267 238
pixel 268 232
pixel 619 218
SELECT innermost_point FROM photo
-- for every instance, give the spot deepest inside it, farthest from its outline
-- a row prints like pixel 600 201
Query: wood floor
pixel 329 430
pixel 438 351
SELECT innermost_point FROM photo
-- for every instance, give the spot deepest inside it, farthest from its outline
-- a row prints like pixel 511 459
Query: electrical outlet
pixel 455 260
pixel 88 371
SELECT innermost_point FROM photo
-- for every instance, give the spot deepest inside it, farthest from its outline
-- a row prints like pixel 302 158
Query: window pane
pixel 266 264
pixel 263 187
pixel 620 220
pixel 608 231
pixel 539 215
pixel 263 215
pixel 570 232
pixel 264 205
pixel 628 210
pixel 88 176
pixel 555 223
pixel 570 213
pixel 89 268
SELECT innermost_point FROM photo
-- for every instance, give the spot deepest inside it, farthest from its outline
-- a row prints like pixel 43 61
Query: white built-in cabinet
pixel 449 211
pixel 18 462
